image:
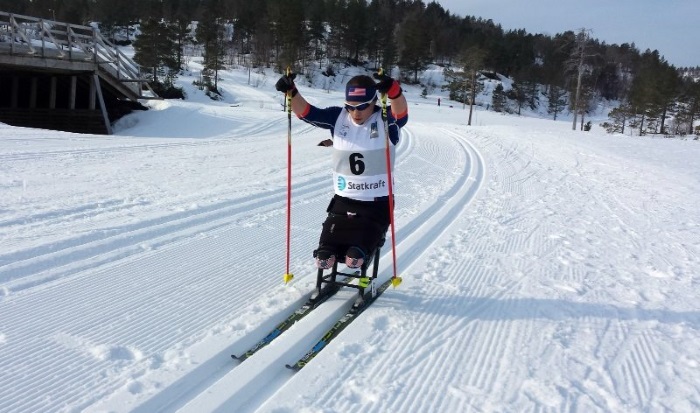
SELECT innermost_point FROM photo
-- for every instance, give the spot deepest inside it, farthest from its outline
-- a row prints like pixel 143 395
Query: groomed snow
pixel 545 270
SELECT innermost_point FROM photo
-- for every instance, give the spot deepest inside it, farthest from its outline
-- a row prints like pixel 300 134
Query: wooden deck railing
pixel 46 39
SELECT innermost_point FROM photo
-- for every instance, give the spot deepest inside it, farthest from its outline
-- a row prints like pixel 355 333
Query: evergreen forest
pixel 572 69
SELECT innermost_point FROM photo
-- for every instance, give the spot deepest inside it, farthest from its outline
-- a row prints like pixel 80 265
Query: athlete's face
pixel 360 111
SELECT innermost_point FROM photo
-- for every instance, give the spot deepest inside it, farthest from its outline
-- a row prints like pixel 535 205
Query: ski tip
pixel 292 367
pixel 396 281
pixel 288 277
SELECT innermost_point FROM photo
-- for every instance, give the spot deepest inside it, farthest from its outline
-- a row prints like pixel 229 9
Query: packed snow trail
pixel 568 282
pixel 521 310
pixel 130 265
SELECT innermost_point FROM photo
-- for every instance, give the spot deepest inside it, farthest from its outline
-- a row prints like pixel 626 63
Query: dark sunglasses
pixel 361 106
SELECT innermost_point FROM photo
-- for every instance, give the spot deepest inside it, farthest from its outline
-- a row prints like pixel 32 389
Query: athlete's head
pixel 360 98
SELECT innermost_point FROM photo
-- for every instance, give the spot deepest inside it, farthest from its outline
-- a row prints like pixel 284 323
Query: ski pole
pixel 288 275
pixel 395 280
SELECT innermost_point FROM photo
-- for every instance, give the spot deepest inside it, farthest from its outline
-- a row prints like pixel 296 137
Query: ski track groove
pixel 637 361
pixel 637 368
pixel 57 217
pixel 67 216
pixel 159 336
pixel 33 262
pixel 487 359
pixel 61 215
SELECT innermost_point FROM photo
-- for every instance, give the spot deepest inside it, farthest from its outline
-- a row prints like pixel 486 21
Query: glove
pixel 388 86
pixel 286 84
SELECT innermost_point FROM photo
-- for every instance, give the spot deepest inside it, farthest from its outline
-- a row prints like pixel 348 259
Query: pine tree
pixel 355 28
pixel 457 84
pixel 414 44
pixel 498 99
pixel 317 30
pixel 518 93
pixel 586 102
pixel 382 46
pixel 668 94
pixel 653 92
pixel 473 61
pixel 210 34
pixel 688 107
pixel 557 100
pixel 15 6
pixel 115 14
pixel 288 30
pixel 155 49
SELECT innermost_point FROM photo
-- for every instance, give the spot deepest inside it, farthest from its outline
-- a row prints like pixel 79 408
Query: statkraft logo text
pixel 344 184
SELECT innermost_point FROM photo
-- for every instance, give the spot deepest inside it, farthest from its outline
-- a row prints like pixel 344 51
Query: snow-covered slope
pixel 544 269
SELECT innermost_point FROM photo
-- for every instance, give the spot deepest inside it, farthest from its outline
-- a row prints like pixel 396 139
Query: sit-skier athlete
pixel 358 214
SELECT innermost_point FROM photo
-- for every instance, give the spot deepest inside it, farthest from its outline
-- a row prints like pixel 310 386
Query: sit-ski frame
pixel 329 282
